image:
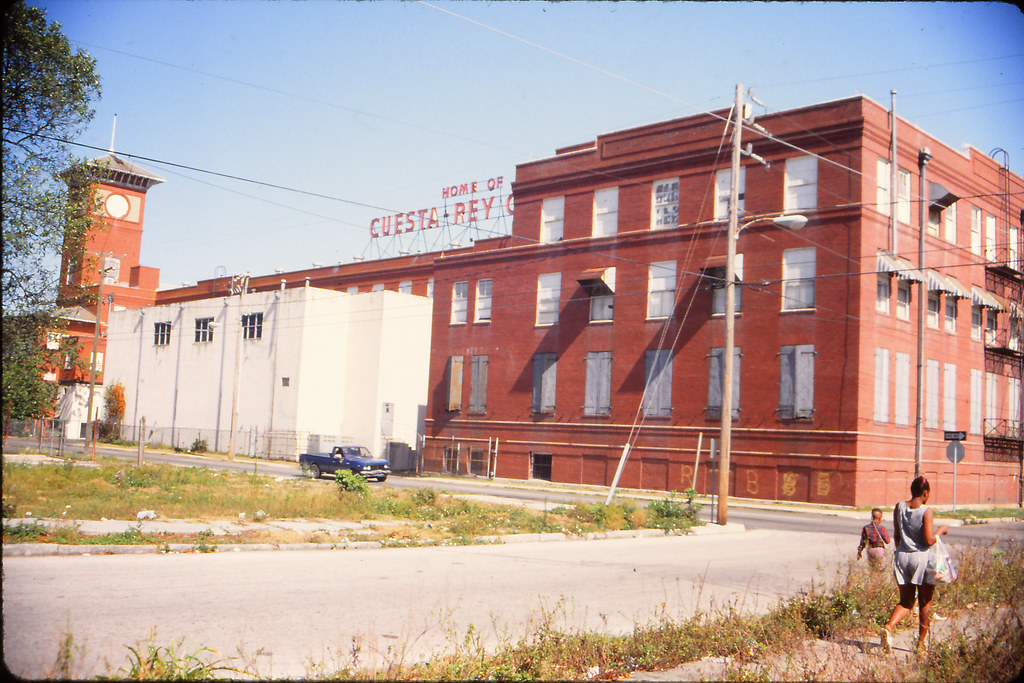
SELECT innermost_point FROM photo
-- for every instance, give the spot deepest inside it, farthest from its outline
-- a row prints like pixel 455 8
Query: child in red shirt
pixel 874 537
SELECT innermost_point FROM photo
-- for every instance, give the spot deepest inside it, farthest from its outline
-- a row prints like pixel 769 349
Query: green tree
pixel 48 90
pixel 26 356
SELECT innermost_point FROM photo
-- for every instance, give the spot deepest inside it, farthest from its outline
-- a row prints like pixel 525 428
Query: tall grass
pixel 114 490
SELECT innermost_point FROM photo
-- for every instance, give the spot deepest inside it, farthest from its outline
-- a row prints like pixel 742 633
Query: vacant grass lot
pixel 113 490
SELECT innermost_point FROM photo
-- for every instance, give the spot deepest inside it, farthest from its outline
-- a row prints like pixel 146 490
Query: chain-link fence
pixel 48 434
pixel 49 437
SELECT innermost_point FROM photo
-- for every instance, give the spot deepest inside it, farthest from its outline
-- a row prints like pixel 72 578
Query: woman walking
pixel 914 533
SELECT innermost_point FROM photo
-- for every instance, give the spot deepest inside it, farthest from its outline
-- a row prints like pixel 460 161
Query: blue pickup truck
pixel 354 458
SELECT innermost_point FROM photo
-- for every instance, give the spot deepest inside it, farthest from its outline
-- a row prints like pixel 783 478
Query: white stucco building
pixel 316 367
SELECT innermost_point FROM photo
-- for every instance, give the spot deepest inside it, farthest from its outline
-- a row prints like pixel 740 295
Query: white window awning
pixel 987 299
pixel 948 284
pixel 900 267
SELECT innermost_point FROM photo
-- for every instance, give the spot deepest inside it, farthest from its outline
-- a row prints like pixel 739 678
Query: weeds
pixel 347 480
pixel 65 656
pixel 203 546
pixel 992 656
pixel 669 513
pixel 149 661
pixel 851 605
pixel 24 532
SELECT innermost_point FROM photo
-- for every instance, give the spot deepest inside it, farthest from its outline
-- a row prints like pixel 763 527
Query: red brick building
pixel 598 322
pixel 109 254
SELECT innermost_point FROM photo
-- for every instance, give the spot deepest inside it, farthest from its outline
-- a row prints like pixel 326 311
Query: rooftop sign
pixel 468 209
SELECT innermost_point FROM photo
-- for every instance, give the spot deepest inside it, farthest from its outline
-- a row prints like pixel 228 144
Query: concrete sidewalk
pixel 173 526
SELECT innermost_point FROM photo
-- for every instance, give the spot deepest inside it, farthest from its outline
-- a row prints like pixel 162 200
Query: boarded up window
pixel 597 400
pixel 544 370
pixel 478 384
pixel 658 389
pixel 715 371
pixel 455 383
pixel 796 381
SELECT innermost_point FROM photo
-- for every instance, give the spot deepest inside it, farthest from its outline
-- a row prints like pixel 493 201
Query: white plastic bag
pixel 940 565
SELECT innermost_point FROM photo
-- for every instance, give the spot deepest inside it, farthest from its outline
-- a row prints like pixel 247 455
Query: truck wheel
pixel 384 478
pixel 314 472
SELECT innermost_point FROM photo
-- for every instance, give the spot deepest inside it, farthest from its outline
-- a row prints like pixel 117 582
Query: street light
pixel 791 222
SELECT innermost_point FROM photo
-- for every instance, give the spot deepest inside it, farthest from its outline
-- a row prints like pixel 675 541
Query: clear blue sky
pixel 385 103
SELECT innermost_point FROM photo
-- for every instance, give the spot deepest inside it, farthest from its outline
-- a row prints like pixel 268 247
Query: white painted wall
pixel 344 356
pixel 73 406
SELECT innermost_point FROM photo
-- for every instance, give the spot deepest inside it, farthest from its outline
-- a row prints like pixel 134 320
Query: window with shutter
pixel 478 384
pixel 658 389
pixel 796 381
pixel 976 401
pixel 881 385
pixel 949 397
pixel 597 397
pixel 544 371
pixel 901 406
pixel 455 383
pixel 715 372
pixel 931 410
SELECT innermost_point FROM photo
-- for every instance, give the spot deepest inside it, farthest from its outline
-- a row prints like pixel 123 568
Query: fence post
pixel 142 441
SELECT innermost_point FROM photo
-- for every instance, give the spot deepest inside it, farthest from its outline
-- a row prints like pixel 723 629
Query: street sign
pixel 955 452
pixel 954 436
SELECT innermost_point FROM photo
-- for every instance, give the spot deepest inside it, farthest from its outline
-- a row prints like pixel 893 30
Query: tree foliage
pixel 48 90
pixel 26 356
pixel 115 403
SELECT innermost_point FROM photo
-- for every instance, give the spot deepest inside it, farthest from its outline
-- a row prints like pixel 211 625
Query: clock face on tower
pixel 117 205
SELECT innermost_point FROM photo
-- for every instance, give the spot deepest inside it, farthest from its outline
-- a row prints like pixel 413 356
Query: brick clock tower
pixel 104 271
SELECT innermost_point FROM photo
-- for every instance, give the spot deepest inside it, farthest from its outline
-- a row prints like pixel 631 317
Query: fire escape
pixel 1004 347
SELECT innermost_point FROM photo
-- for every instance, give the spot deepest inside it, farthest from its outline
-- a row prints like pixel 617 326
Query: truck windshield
pixel 356 452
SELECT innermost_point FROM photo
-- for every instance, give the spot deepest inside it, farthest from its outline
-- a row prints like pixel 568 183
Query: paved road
pixel 303 608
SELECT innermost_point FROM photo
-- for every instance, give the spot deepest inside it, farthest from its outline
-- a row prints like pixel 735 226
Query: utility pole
pixel 239 283
pixel 923 157
pixel 725 437
pixel 95 350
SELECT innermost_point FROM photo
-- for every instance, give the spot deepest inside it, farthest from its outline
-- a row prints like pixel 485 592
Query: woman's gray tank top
pixel 911 527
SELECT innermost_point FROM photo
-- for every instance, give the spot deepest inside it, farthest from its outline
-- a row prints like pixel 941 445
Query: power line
pixel 219 174
pixel 891 71
pixel 630 81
